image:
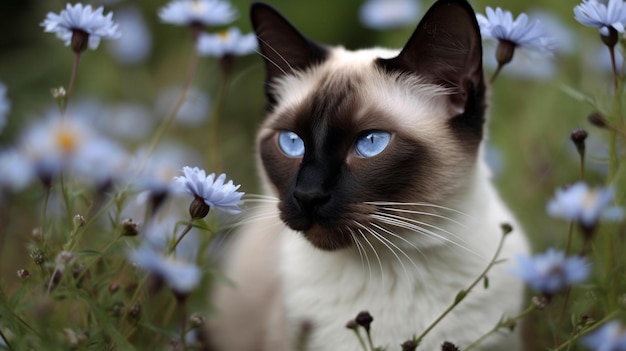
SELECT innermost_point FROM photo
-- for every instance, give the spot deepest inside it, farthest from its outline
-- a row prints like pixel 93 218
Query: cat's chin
pixel 327 239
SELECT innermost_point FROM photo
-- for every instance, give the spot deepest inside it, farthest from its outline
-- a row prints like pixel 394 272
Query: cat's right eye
pixel 290 144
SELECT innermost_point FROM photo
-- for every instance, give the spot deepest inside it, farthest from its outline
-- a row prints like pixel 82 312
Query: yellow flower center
pixel 66 141
pixel 224 35
pixel 197 7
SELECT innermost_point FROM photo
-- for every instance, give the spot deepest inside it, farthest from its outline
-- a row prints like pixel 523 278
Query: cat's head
pixel 350 132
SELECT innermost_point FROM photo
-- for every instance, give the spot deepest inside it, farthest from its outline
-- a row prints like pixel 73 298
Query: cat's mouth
pixel 327 238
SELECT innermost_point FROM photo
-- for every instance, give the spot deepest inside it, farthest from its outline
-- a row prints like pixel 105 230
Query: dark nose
pixel 310 199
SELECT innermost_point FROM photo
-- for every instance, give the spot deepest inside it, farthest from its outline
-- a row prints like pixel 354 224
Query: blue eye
pixel 291 144
pixel 372 143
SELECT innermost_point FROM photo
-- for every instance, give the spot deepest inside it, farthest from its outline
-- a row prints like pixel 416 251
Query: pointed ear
pixel 446 50
pixel 283 48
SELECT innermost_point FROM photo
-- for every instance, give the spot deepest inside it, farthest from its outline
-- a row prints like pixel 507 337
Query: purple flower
pixel 592 13
pixel 551 271
pixel 203 12
pixel 609 337
pixel 499 25
pixel 213 191
pixel 82 19
pixel 581 204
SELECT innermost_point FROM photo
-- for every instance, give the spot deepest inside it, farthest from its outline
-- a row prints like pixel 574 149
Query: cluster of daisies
pixel 64 146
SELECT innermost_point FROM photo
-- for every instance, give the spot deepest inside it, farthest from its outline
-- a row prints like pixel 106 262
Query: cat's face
pixel 349 134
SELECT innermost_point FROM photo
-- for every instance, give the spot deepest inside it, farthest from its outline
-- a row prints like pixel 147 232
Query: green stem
pixel 361 341
pixel 213 146
pixel 462 294
pixel 576 336
pixel 182 235
pixel 183 332
pixel 509 322
pixel 496 73
pixel 193 65
pixel 6 341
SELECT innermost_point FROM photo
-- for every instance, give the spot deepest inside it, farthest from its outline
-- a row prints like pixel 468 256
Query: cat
pixel 384 202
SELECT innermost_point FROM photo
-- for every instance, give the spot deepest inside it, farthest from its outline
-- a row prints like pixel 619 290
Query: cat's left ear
pixel 446 50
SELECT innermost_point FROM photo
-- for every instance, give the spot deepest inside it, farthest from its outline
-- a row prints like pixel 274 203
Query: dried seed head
pixel 448 346
pixel 78 221
pixel 23 273
pixel 129 228
pixel 37 256
pixel 364 319
pixel 196 320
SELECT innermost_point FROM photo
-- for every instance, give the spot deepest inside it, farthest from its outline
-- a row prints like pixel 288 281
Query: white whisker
pixel 380 264
pixel 409 226
pixel 420 223
pixel 362 249
pixel 386 243
pixel 277 53
pixel 423 214
pixel 422 204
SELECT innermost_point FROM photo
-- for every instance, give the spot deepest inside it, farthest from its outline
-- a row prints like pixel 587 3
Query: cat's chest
pixel 327 291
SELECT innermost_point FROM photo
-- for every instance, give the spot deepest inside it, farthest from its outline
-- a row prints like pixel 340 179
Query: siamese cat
pixel 383 200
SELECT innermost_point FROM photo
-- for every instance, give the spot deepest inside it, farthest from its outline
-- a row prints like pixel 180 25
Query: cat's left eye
pixel 372 143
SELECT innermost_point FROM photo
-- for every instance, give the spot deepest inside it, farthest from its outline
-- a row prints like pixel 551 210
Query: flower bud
pixel 448 346
pixel 364 319
pixel 578 137
pixel 37 256
pixel 129 228
pixel 597 120
pixel 504 52
pixel 37 234
pixel 58 93
pixel 506 228
pixel 352 325
pixel 611 38
pixel 23 273
pixel 196 320
pixel 78 221
pixel 198 208
pixel 135 311
pixel 409 345
pixel 80 40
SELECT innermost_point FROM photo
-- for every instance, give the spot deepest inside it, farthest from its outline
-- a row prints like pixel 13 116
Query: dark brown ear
pixel 283 48
pixel 446 50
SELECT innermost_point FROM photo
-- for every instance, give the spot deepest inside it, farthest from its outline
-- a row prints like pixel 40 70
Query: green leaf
pixel 88 253
pixel 486 282
pixel 460 296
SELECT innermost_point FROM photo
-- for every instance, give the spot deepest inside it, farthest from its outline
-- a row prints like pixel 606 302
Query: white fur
pixel 329 288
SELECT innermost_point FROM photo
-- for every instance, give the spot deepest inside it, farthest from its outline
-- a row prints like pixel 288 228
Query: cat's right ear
pixel 282 46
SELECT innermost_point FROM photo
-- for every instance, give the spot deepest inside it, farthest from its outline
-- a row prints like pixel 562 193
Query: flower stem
pixel 614 67
pixel 508 323
pixel 70 87
pixel 213 147
pixel 5 340
pixel 496 73
pixel 463 293
pixel 576 336
pixel 182 235
pixel 193 65
pixel 183 323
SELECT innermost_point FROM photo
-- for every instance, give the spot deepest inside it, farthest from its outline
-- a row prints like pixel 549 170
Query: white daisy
pixel 386 14
pixel 81 19
pixel 500 25
pixel 202 12
pixel 586 206
pixel 182 277
pixel 230 42
pixel 213 191
pixel 596 14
